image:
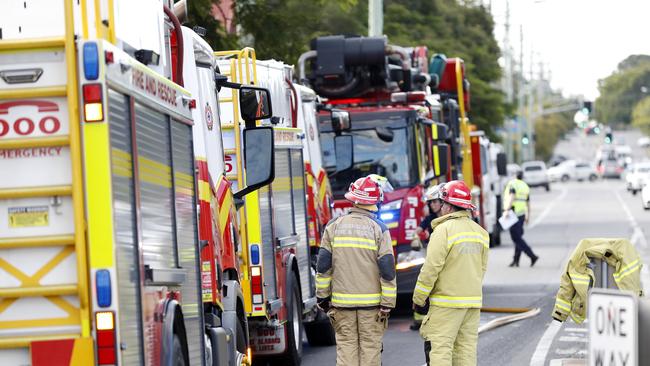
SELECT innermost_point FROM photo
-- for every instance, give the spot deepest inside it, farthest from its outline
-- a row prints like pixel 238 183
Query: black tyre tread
pixel 320 331
pixel 293 355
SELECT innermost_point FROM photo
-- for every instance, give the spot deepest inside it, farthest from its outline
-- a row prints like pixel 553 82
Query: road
pixel 560 218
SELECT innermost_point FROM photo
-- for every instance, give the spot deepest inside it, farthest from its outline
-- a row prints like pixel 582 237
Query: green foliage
pixel 548 130
pixel 641 115
pixel 622 90
pixel 199 15
pixel 283 29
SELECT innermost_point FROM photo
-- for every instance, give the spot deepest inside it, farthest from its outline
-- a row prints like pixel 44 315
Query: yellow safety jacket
pixel 457 256
pixel 521 191
pixel 356 265
pixel 578 276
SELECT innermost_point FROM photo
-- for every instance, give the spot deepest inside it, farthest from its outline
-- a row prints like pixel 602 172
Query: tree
pixel 548 130
pixel 622 90
pixel 199 14
pixel 641 115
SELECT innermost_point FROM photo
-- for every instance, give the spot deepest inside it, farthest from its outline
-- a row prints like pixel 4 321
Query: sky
pixel 579 41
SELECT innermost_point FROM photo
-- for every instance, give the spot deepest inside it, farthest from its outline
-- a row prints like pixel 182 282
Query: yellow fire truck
pixel 108 255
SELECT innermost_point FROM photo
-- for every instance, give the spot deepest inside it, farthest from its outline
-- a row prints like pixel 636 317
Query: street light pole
pixel 376 18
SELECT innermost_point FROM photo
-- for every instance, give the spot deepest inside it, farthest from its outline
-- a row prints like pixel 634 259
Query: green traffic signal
pixel 525 140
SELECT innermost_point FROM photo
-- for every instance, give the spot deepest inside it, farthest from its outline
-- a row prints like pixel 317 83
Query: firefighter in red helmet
pixel 449 287
pixel 355 280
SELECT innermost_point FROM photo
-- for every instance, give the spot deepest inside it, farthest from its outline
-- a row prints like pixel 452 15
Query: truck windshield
pixel 396 160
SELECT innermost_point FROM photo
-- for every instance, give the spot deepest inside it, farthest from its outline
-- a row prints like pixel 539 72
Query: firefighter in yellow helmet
pixel 355 280
pixel 449 287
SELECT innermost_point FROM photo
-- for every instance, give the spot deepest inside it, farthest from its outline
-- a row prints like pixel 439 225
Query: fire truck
pixel 278 223
pixel 396 128
pixel 112 250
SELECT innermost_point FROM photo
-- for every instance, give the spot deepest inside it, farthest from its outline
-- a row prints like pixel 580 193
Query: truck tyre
pixel 179 356
pixel 241 338
pixel 320 332
pixel 294 328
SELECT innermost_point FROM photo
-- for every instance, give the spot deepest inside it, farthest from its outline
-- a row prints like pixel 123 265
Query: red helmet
pixel 365 191
pixel 458 194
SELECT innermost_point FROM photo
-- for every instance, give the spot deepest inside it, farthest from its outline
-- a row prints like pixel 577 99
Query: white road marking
pixel 639 240
pixel 539 356
pixel 576 330
pixel 548 209
pixel 572 339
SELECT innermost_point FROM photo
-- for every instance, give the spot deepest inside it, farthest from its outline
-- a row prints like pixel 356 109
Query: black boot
pixel 533 260
pixel 515 263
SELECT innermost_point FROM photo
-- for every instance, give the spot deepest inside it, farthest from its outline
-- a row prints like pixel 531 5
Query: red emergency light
pixel 408 97
pixel 93 102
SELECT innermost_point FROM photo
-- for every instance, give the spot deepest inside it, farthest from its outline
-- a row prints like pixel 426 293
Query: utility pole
pixel 376 18
pixel 508 86
pixel 520 95
pixel 530 126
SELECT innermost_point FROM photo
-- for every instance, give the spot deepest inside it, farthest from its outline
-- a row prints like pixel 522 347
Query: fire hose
pixel 519 314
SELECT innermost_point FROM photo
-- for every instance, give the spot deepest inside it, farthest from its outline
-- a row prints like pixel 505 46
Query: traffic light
pixel 608 138
pixel 587 107
pixel 524 139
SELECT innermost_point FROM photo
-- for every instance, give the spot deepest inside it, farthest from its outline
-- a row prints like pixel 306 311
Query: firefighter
pixel 422 233
pixel 517 199
pixel 449 287
pixel 355 278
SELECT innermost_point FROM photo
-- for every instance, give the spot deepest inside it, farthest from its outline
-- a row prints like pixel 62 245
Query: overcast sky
pixel 580 41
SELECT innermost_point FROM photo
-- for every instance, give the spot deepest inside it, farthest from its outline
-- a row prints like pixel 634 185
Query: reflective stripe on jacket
pixel 356 266
pixel 519 202
pixel 578 276
pixel 452 274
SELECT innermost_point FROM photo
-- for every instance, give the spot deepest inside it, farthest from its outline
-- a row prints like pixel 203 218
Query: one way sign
pixel 613 328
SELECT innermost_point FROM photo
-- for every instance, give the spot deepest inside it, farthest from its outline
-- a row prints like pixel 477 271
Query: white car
pixel 645 195
pixel 571 169
pixel 535 174
pixel 643 141
pixel 639 174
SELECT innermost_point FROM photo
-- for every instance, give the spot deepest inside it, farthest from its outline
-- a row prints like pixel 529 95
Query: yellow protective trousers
pixel 450 336
pixel 358 336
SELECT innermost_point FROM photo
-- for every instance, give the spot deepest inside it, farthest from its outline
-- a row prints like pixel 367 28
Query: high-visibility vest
pixel 520 202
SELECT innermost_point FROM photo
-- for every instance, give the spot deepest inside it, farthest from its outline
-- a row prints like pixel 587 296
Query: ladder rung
pixel 22 342
pixel 227 126
pixel 231 177
pixel 50 91
pixel 37 241
pixel 23 44
pixel 35 142
pixel 225 100
pixel 56 290
pixel 230 151
pixel 9 193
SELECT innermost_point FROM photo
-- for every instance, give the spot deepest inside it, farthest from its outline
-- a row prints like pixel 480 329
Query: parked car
pixel 639 174
pixel 535 174
pixel 645 194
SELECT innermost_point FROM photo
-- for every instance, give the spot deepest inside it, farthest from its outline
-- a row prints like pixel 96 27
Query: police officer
pixel 422 233
pixel 355 278
pixel 517 197
pixel 449 287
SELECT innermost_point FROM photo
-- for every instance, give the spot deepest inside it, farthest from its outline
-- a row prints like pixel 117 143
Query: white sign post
pixel 613 328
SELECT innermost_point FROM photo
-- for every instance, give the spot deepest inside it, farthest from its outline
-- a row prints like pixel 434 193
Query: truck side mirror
pixel 344 152
pixel 340 121
pixel 259 158
pixel 502 164
pixel 254 104
pixel 440 159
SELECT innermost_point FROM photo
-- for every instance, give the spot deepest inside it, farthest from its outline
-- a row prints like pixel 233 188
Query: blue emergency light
pixel 103 287
pixel 255 254
pixel 386 216
pixel 91 61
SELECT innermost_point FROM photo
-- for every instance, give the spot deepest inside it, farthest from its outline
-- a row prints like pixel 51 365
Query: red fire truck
pixel 395 126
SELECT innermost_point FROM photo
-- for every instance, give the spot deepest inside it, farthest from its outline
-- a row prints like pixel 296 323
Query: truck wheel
pixel 293 329
pixel 241 338
pixel 320 332
pixel 178 355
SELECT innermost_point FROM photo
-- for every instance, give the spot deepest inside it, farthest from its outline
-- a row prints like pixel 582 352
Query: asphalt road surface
pixel 560 218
